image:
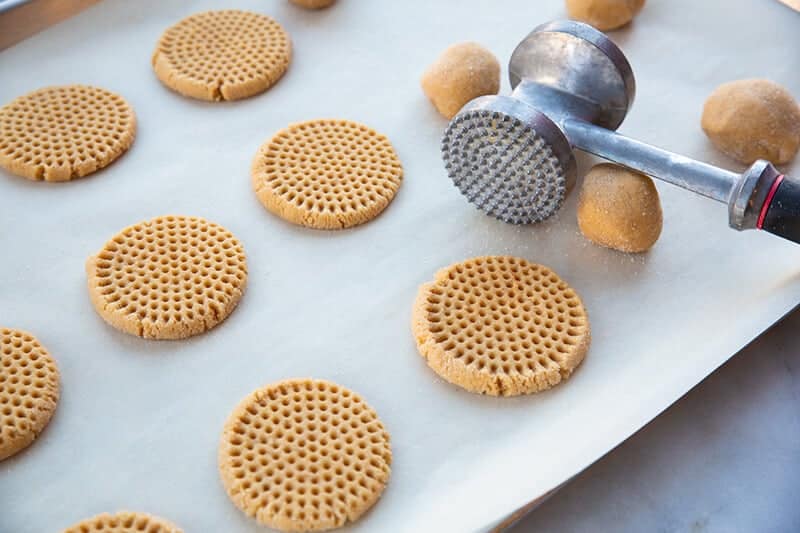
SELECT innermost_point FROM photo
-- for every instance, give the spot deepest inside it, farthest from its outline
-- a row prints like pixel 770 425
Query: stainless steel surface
pixel 509 159
pixel 571 69
pixel 507 155
pixel 576 77
pixel 713 462
pixel 8 5
pixel 20 19
pixel 749 195
pixel 704 179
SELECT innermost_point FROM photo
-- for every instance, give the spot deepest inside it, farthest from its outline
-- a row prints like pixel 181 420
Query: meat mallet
pixel 512 156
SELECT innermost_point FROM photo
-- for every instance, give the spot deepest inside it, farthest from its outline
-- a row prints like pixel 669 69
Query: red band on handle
pixel 768 201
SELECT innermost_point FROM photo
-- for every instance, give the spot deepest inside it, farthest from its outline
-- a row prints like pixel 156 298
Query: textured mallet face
pixel 503 166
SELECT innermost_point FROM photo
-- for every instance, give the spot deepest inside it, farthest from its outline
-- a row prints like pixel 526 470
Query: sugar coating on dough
pixel 462 72
pixel 500 325
pixel 124 522
pixel 604 14
pixel 169 277
pixel 222 55
pixel 64 132
pixel 313 4
pixel 619 208
pixel 29 390
pixel 753 119
pixel 304 455
pixel 326 173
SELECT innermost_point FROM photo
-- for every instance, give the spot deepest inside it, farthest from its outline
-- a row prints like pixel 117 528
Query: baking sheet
pixel 139 421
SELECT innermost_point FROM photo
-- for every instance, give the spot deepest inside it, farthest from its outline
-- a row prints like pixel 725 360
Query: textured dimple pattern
pixel 500 325
pixel 168 278
pixel 503 167
pixel 124 522
pixel 222 55
pixel 304 455
pixel 327 174
pixel 29 390
pixel 60 133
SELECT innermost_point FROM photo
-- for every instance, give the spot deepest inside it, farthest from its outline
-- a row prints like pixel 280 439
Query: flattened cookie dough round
pixel 124 522
pixel 500 325
pixel 29 390
pixel 304 455
pixel 222 55
pixel 327 174
pixel 168 278
pixel 65 132
pixel 313 4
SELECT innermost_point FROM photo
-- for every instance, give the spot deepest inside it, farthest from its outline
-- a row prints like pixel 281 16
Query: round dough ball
pixel 464 71
pixel 604 14
pixel 313 4
pixel 619 208
pixel 753 119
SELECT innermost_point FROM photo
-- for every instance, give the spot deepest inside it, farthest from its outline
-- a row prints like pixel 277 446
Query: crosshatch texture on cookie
pixel 304 455
pixel 65 132
pixel 168 278
pixel 124 522
pixel 222 55
pixel 29 390
pixel 500 325
pixel 327 173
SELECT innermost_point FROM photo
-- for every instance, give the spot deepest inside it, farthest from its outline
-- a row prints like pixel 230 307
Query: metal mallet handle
pixel 759 198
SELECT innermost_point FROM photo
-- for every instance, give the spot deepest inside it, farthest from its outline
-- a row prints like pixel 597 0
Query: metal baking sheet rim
pixel 20 19
pixel 529 507
pixel 404 217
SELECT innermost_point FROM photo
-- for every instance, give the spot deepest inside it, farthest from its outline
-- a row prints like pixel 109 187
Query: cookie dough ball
pixel 753 119
pixel 464 71
pixel 619 208
pixel 313 4
pixel 604 14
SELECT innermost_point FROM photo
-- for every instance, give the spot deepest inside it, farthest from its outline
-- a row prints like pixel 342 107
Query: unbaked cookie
pixel 304 455
pixel 464 71
pixel 753 119
pixel 604 14
pixel 29 390
pixel 222 55
pixel 65 132
pixel 124 522
pixel 500 325
pixel 313 4
pixel 326 174
pixel 168 278
pixel 619 208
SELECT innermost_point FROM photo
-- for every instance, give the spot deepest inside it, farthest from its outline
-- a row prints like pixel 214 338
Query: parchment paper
pixel 139 421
